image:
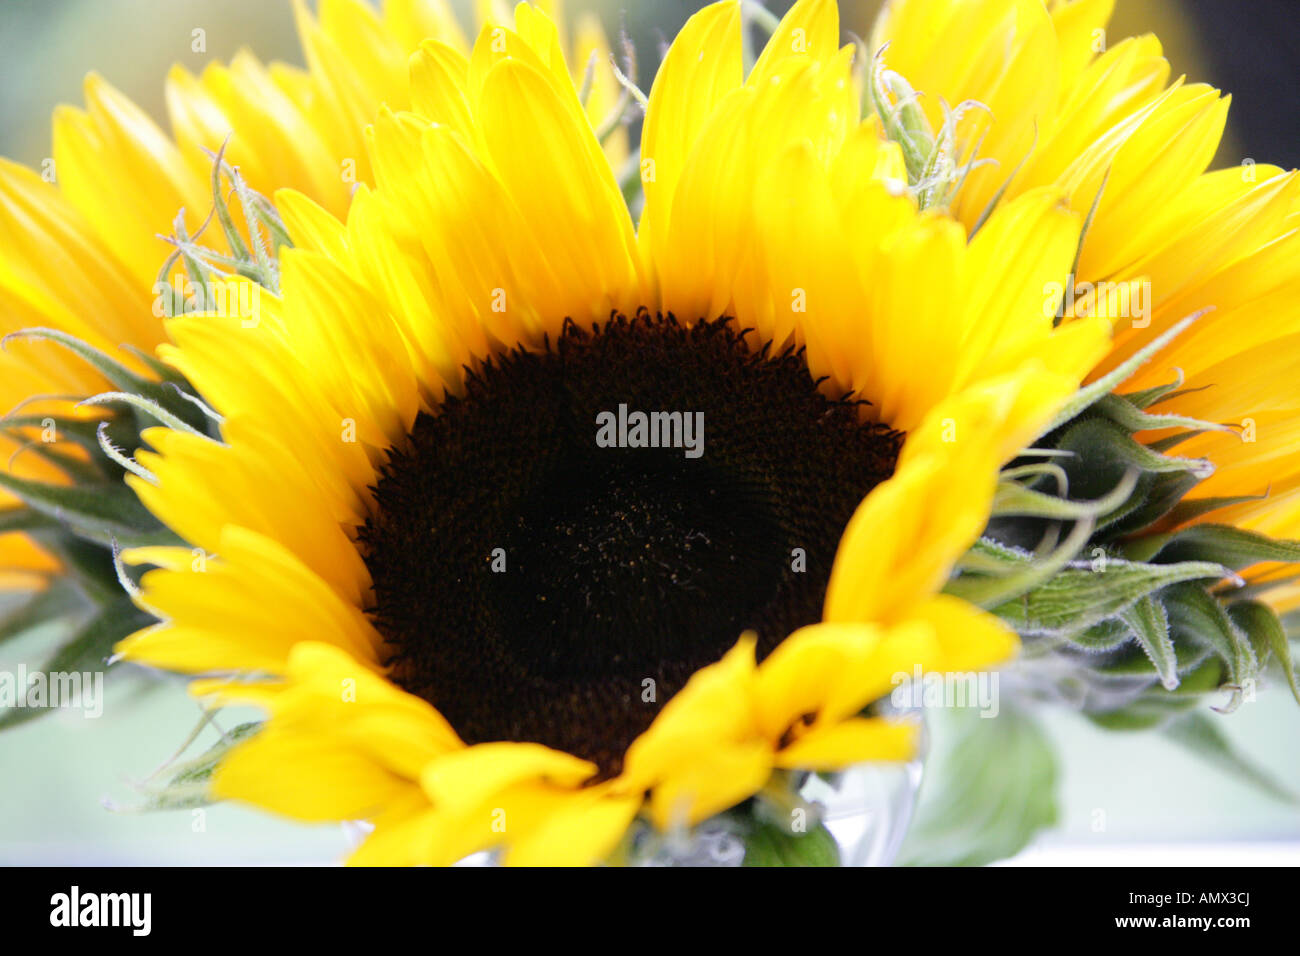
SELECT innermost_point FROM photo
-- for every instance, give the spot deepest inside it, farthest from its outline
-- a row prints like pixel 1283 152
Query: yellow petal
pixel 826 672
pixel 709 782
pixel 215 611
pixel 969 639
pixel 471 776
pixel 713 709
pixel 843 744
pixel 307 777
pixel 809 30
pixel 581 832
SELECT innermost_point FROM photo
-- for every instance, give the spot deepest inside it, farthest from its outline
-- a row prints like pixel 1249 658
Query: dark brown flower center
pixel 557 551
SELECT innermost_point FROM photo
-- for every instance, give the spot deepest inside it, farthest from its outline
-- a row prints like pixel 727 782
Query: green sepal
pixel 79 430
pixel 59 601
pixel 992 590
pixel 1087 396
pixel 1132 661
pixel 233 237
pixel 1108 635
pixel 23 518
pixel 1156 706
pixel 190 783
pixel 1267 637
pixel 1076 598
pixel 118 374
pixel 1156 496
pixel 85 563
pixel 1130 416
pixel 1084 229
pixel 1100 442
pixel 1011 572
pixel 1015 500
pixel 1170 442
pixel 1149 622
pixel 1147 397
pixel 1196 614
pixel 103 512
pixel 76 468
pixel 989 556
pixel 1234 548
pixel 903 122
pixel 89 650
pixel 165 373
pixel 148 408
pixel 113 370
pixel 1191 509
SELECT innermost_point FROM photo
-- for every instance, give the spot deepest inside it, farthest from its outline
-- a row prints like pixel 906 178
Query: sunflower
pixel 530 528
pixel 79 253
pixel 1165 238
pixel 469 620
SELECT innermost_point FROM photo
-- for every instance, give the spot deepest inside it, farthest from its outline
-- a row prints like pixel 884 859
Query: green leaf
pixel 989 787
pixel 1077 598
pixel 88 651
pixel 768 844
pixel 1201 734
pixel 1149 622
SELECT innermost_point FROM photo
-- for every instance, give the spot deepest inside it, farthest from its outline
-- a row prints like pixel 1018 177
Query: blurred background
pixel 58 773
pixel 47 46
